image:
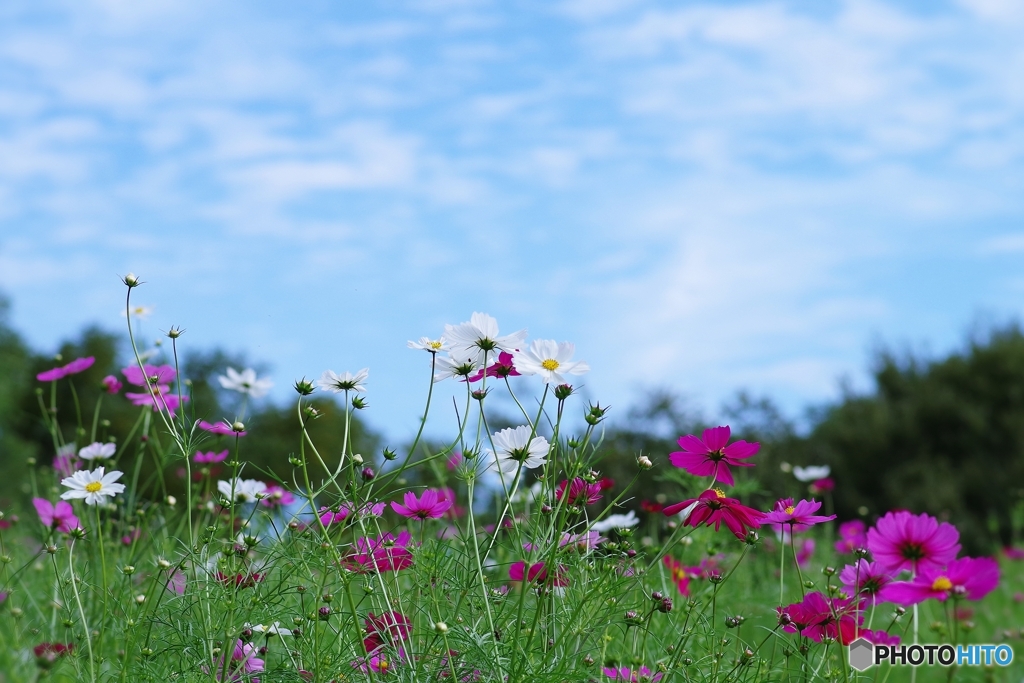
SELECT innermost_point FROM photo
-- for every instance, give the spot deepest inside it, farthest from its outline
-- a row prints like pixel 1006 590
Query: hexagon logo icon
pixel 862 654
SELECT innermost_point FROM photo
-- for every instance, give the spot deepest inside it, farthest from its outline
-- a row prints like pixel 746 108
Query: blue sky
pixel 701 195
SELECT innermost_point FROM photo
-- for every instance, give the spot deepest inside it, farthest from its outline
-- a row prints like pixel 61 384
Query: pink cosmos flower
pixel 500 369
pixel 1012 553
pixel 162 397
pixel 967 578
pixel 851 536
pixel 805 551
pixel 112 384
pixel 455 461
pixel 431 505
pixel 387 553
pixel 712 455
pixel 580 491
pixel 624 673
pixel 879 637
pixel 73 368
pixel 822 485
pixel 797 517
pixel 901 540
pixel 818 617
pixel 865 580
pixel 240 579
pixel 60 516
pixel 386 628
pixel 679 573
pixel 209 458
pixel 221 428
pixel 163 374
pixel 537 574
pixel 276 496
pixel 713 507
pixel 380 662
pixel 176 582
pixel 243 661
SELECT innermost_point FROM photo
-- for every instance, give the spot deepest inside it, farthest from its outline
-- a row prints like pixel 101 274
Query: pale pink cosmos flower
pixel 60 516
pixel 73 368
pixel 221 428
pixel 431 505
pixel 711 455
pixel 210 458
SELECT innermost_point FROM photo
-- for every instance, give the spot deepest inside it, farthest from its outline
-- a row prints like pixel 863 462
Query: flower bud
pixel 128 570
pixel 563 391
pixel 238 426
pixel 131 280
pixel 441 627
pixel 644 463
pixel 304 387
pixel 389 454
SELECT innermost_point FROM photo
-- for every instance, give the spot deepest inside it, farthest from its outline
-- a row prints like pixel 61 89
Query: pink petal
pixel 716 438
pixel 693 444
pixel 741 449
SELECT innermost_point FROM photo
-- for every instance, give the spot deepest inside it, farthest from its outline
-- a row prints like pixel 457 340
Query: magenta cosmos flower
pixel 73 368
pixel 713 507
pixel 210 458
pixel 580 492
pixel 851 536
pixel 968 577
pixel 158 394
pixel 712 455
pixel 537 573
pixel 431 505
pixel 624 673
pixel 901 540
pixel 818 617
pixel 388 553
pixel 798 517
pixel 60 516
pixel 501 369
pixel 221 428
pixel 865 580
pixel 388 627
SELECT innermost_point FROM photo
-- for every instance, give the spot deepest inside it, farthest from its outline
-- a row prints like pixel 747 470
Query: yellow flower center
pixel 719 492
pixel 93 486
pixel 942 584
pixel 790 509
pixel 550 364
pixel 436 345
pixel 382 664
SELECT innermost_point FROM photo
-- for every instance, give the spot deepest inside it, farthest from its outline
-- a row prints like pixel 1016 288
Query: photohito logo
pixel 864 655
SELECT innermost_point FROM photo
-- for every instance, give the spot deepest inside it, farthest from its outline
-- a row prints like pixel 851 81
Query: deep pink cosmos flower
pixel 821 485
pixel 1012 553
pixel 431 505
pixel 210 458
pixel 864 580
pixel 387 553
pixel 60 516
pixel 241 580
pixel 580 491
pixel 817 617
pixel 679 574
pixel 47 654
pixel 879 637
pixel 112 384
pixel 624 673
pixel 712 455
pixel 537 573
pixel 154 374
pixel 798 517
pixel 221 428
pixel 901 540
pixel 386 628
pixel 851 536
pixel 713 507
pixel 502 368
pixel 967 578
pixel 73 368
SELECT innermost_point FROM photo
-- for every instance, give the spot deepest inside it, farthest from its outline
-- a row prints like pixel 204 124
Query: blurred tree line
pixel 25 442
pixel 944 436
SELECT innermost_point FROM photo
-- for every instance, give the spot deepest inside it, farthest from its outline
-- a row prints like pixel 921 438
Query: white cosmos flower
pixel 812 473
pixel 274 629
pixel 616 522
pixel 479 337
pixel 245 382
pixel 550 360
pixel 97 450
pixel 139 312
pixel 428 344
pixel 346 381
pixel 92 486
pixel 67 450
pixel 515 447
pixel 242 490
pixel 453 366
